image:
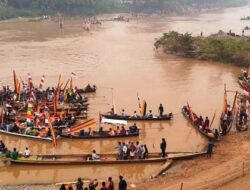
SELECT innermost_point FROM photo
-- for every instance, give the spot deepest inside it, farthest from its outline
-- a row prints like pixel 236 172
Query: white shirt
pixel 26 152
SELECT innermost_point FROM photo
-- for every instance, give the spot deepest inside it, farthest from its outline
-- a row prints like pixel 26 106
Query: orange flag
pixel 191 113
pixel 51 129
pixel 83 125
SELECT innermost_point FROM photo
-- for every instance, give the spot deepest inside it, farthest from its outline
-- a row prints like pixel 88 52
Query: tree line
pixel 14 8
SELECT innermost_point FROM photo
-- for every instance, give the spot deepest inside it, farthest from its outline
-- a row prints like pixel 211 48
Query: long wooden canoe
pixel 26 136
pixel 139 118
pixel 97 136
pixel 83 159
pixel 186 115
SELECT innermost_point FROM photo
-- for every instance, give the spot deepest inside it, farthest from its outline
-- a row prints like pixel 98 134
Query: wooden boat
pixel 25 136
pixel 138 118
pixel 245 18
pixel 105 135
pixel 226 120
pixel 87 90
pixel 186 115
pixel 244 85
pixel 85 159
pixel 242 121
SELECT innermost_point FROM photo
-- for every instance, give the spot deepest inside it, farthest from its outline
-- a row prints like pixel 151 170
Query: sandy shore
pixel 228 169
pixel 223 171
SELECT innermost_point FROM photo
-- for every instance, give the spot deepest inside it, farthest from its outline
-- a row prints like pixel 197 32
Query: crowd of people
pixel 93 184
pixel 204 125
pixel 131 150
pixel 13 154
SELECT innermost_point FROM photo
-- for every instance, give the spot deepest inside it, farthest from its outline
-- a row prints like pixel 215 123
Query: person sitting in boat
pixel 111 132
pixel 14 155
pixel 42 133
pixel 150 114
pixel 95 156
pixel 123 131
pixel 118 131
pixel 123 114
pixel 101 133
pixel 2 146
pixel 134 115
pixel 88 87
pixel 133 128
pixel 26 153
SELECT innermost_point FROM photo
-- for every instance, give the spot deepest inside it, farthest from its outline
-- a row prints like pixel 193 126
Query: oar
pixel 212 120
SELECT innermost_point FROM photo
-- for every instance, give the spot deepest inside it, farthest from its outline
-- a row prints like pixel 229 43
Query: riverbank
pixel 222 47
pixel 229 168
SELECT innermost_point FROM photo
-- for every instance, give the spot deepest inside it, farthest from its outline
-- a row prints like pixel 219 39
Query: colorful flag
pixel 42 83
pixel 51 129
pixel 83 126
pixel 16 83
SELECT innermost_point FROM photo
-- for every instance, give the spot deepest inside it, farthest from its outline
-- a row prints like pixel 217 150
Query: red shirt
pixel 111 186
pixel 104 188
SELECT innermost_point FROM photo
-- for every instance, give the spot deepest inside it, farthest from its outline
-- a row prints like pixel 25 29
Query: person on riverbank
pixel 62 187
pixel 161 110
pixel 14 155
pixel 111 184
pixel 104 186
pixel 93 184
pixel 163 147
pixel 122 183
pixel 79 184
pixel 210 147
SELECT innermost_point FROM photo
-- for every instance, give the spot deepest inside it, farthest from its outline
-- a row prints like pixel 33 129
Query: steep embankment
pixel 223 171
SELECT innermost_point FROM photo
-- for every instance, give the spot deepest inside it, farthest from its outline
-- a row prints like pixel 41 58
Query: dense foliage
pixel 13 8
pixel 182 6
pixel 219 48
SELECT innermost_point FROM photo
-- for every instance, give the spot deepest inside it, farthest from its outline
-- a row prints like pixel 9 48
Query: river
pixel 119 56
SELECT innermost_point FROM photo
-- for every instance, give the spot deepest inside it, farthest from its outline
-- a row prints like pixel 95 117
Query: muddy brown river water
pixel 120 56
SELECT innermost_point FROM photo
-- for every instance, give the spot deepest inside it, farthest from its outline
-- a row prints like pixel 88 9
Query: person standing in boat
pixel 104 186
pixel 123 114
pixel 161 110
pixel 163 147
